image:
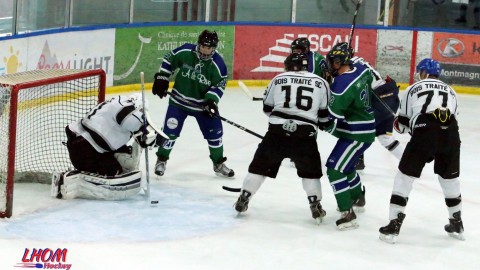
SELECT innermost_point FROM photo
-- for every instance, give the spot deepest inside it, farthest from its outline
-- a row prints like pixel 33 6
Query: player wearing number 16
pixel 296 103
pixel 199 83
pixel 428 111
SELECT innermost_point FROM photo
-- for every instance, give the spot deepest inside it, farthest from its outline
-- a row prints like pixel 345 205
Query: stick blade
pixel 245 89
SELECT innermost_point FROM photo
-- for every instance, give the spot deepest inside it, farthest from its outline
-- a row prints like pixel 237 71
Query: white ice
pixel 194 225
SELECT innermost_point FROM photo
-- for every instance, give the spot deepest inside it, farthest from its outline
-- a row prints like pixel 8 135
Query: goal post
pixel 35 108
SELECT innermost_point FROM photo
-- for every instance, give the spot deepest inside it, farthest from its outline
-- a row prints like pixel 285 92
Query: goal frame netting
pixel 80 85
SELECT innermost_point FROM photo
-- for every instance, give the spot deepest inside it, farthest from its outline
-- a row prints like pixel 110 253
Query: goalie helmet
pixel 301 44
pixel 430 67
pixel 136 99
pixel 341 53
pixel 296 62
pixel 208 39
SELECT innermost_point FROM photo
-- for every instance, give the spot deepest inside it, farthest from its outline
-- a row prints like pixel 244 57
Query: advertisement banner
pixel 456 48
pixel 70 50
pixel 394 54
pixel 142 49
pixel 460 74
pixel 261 50
pixel 75 50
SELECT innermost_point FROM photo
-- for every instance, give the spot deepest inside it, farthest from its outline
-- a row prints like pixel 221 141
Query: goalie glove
pixel 160 85
pixel 147 138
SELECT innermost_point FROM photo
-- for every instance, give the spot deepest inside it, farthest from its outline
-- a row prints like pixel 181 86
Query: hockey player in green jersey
pixel 199 86
pixel 354 126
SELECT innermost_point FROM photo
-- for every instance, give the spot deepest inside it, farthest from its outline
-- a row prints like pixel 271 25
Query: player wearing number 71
pixel 428 111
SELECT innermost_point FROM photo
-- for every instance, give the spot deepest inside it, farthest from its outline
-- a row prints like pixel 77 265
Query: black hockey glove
pixel 160 85
pixel 147 138
pixel 211 108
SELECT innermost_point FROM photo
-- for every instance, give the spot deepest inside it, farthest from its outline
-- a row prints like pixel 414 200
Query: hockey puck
pixel 154 202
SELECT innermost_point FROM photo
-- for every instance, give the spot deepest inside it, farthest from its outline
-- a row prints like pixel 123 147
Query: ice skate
pixel 359 204
pixel 317 212
pixel 160 166
pixel 242 203
pixel 222 170
pixel 347 220
pixel 455 226
pixel 390 232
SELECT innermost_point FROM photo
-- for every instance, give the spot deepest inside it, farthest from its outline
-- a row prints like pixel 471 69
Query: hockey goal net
pixel 35 107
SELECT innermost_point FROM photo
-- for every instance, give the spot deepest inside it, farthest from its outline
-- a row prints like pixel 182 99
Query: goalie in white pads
pixel 428 112
pixel 104 147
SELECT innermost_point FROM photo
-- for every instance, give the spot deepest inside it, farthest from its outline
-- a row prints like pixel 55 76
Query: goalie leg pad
pixel 77 184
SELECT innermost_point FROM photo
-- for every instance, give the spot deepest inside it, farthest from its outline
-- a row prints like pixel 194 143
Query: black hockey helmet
pixel 340 53
pixel 296 62
pixel 208 39
pixel 300 44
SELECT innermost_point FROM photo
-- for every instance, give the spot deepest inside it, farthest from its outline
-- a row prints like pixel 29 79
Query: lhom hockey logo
pixel 45 259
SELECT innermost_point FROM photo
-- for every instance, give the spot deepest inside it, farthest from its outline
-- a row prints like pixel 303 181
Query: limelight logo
pixel 45 259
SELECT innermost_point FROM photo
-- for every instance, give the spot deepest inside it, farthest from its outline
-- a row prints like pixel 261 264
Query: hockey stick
pixel 357 6
pixel 147 169
pixel 247 91
pixel 384 104
pixel 217 115
pixel 231 189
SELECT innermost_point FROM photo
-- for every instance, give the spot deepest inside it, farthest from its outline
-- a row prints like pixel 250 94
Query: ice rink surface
pixel 194 225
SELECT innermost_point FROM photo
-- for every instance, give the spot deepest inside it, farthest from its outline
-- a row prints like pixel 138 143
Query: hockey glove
pixel 160 85
pixel 398 127
pixel 211 108
pixel 328 126
pixel 148 138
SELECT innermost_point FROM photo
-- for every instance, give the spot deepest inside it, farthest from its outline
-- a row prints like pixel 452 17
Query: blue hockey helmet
pixel 340 53
pixel 430 67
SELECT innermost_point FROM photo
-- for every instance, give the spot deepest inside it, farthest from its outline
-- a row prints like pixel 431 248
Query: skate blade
pixel 319 220
pixel 224 176
pixel 352 225
pixel 390 238
pixel 458 236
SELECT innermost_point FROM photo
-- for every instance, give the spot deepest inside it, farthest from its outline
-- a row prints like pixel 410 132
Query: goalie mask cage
pixel 35 108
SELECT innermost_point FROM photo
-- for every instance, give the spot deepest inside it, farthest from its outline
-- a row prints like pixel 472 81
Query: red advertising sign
pixel 456 48
pixel 261 50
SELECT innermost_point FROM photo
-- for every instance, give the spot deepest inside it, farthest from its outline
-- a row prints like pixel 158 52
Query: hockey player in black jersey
pixel 428 111
pixel 296 102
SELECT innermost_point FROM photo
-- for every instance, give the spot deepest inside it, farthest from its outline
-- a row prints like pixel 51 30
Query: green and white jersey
pixel 314 59
pixel 350 104
pixel 197 80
